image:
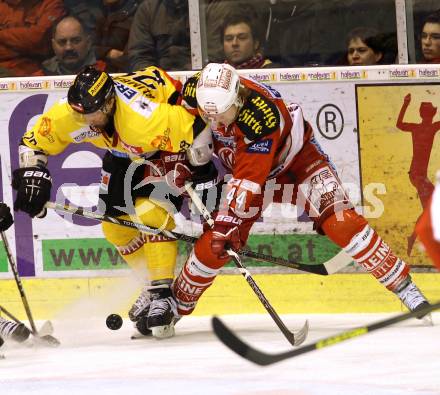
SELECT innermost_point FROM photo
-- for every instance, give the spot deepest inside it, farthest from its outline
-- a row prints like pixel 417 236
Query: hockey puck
pixel 113 322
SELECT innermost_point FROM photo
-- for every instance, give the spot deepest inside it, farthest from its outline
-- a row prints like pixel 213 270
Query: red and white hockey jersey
pixel 428 226
pixel 265 137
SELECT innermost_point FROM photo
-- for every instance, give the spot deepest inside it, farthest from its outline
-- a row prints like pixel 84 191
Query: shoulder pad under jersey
pixel 189 91
pixel 258 117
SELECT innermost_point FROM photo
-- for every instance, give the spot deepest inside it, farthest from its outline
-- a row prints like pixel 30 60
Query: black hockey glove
pixel 33 185
pixel 5 217
pixel 205 182
pixel 204 177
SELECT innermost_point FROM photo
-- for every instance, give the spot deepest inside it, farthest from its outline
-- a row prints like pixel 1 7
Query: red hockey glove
pixel 225 234
pixel 177 169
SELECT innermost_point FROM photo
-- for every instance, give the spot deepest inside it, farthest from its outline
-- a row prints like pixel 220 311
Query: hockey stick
pixel 232 341
pixel 43 339
pixel 294 338
pixel 333 265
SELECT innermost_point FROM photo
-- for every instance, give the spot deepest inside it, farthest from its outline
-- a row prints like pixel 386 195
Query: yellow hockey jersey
pixel 147 118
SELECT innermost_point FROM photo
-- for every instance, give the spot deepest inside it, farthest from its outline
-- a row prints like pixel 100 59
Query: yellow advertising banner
pixel 399 146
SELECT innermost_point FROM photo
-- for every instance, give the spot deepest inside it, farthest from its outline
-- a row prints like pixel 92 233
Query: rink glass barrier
pixel 353 112
pixel 291 33
pixel 298 33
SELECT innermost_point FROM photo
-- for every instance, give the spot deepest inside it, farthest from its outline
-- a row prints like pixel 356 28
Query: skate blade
pixel 138 336
pixel 45 341
pixel 163 332
pixel 427 320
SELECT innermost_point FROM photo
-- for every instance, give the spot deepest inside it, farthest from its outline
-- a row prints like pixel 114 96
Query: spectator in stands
pixel 72 47
pixel 430 38
pixel 89 12
pixel 363 47
pixel 312 32
pixel 112 32
pixel 215 13
pixel 241 42
pixel 159 36
pixel 25 34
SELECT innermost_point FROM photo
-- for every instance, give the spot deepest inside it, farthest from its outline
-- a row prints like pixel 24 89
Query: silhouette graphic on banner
pixel 422 134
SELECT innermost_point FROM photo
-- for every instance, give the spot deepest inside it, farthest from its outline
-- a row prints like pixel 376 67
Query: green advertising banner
pixel 80 254
pixel 3 259
pixel 98 254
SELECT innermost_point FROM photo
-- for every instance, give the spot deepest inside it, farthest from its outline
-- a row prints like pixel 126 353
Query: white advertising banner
pixel 54 247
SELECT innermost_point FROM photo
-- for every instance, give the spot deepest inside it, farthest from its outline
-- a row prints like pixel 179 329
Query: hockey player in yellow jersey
pixel 138 119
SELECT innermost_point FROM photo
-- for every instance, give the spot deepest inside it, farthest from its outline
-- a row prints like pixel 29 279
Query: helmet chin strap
pixel 239 102
pixel 238 105
pixel 109 107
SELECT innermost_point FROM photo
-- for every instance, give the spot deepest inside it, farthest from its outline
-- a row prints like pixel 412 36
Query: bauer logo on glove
pixel 33 186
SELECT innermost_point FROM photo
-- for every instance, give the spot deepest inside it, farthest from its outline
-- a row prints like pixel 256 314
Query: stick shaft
pixel 19 283
pixel 79 211
pixel 243 270
pixel 12 317
pixel 231 340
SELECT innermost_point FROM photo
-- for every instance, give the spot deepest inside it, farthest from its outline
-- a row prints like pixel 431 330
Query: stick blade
pixel 46 329
pixel 234 343
pixel 301 335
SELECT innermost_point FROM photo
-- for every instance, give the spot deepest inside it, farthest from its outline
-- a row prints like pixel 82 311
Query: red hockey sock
pixel 193 280
pixel 360 241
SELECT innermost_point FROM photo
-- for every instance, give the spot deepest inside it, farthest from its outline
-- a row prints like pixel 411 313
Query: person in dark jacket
pixel 112 32
pixel 159 36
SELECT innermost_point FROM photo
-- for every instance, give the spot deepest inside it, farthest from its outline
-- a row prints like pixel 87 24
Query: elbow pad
pixel 201 149
pixel 28 157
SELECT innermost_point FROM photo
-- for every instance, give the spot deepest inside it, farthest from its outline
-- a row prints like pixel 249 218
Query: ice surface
pixel 403 359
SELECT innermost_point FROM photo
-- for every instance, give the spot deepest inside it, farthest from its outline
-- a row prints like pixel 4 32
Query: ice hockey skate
pixel 162 314
pixel 413 299
pixel 13 330
pixel 138 314
pixel 141 305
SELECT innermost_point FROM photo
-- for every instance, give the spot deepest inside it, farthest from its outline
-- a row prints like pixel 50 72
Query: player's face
pixel 360 54
pixel 97 118
pixel 225 118
pixel 239 44
pixel 431 41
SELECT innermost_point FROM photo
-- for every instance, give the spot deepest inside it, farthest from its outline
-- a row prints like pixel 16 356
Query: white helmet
pixel 217 89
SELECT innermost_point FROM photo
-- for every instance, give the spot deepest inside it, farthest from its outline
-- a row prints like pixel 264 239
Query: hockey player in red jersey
pixel 272 156
pixel 428 226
